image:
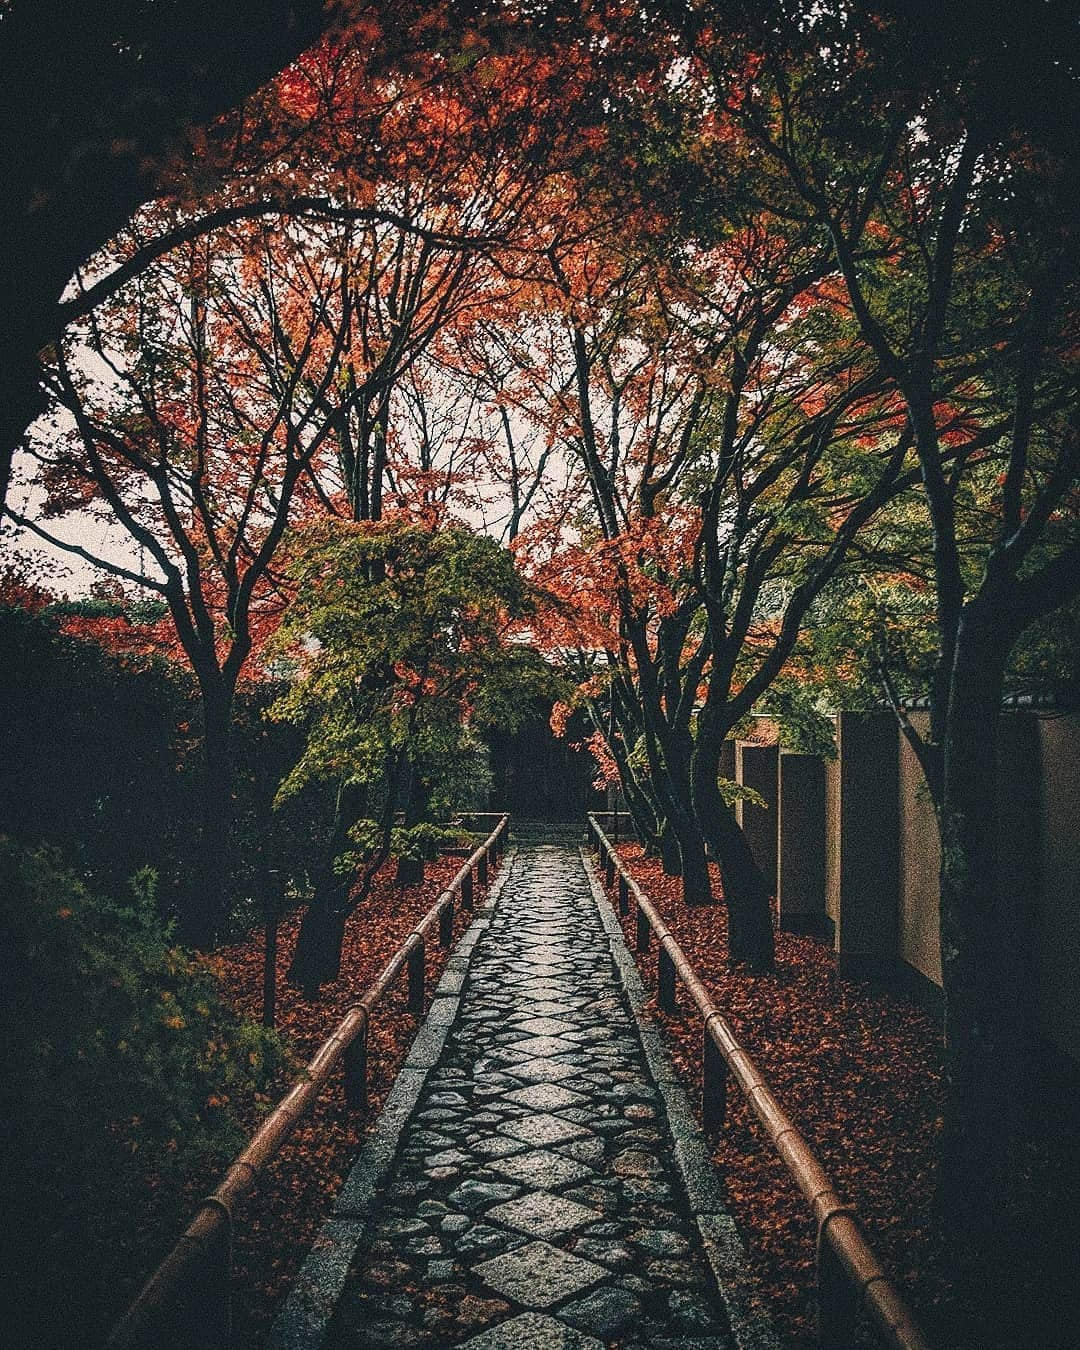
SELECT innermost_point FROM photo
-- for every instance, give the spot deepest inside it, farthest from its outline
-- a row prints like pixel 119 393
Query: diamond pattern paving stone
pixel 539 1275
pixel 541 1168
pixel 545 1070
pixel 543 1215
pixel 542 1046
pixel 551 1212
pixel 533 1331
pixel 545 1129
pixel 545 1097
pixel 544 1026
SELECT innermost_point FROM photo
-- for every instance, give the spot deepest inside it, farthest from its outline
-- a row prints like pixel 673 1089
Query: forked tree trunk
pixel 317 956
pixel 747 893
pixel 696 887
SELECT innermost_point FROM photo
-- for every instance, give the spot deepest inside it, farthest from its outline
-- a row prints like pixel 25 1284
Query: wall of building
pixel 881 858
pixel 919 929
pixel 1058 910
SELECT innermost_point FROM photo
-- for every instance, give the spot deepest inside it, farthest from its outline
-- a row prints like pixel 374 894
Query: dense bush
pixel 124 1069
pixel 92 750
pixel 102 759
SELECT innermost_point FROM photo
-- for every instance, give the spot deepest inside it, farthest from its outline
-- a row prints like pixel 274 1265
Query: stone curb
pixel 747 1312
pixel 303 1321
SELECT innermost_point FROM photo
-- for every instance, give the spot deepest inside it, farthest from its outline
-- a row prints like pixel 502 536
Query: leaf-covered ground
pixel 275 1228
pixel 859 1071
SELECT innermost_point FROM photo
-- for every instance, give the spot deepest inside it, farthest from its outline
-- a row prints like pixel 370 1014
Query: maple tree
pixel 732 444
pixel 403 638
pixel 969 313
pixel 199 438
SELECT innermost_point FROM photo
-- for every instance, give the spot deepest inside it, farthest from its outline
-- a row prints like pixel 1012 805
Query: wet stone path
pixel 533 1205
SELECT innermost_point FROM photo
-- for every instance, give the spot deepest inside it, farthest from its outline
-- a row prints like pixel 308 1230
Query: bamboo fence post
pixel 666 993
pixel 446 922
pixel 355 1063
pixel 643 930
pixel 714 1079
pixel 416 979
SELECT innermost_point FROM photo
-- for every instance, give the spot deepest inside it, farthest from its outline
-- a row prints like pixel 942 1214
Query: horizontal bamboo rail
pixel 203 1253
pixel 848 1272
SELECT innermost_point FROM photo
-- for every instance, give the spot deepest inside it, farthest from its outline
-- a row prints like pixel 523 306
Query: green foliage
pixel 1046 661
pixel 804 726
pixel 122 1059
pixel 733 792
pixel 415 842
pixel 402 638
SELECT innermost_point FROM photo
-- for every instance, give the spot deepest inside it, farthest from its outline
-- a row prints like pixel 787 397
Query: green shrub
pixel 122 1068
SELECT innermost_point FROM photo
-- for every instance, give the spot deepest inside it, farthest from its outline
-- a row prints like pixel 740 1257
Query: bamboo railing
pixel 849 1275
pixel 185 1300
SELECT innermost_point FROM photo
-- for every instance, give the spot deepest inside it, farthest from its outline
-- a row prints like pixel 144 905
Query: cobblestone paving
pixel 532 1205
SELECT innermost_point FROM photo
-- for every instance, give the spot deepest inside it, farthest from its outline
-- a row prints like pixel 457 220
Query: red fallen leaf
pixel 849 1064
pixel 278 1224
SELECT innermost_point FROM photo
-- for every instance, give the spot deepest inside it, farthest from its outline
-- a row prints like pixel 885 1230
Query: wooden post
pixel 714 1077
pixel 642 931
pixel 482 868
pixel 466 890
pixel 416 980
pixel 270 948
pixel 624 895
pixel 609 868
pixel 666 993
pixel 446 923
pixel 355 1062
pixel 837 1301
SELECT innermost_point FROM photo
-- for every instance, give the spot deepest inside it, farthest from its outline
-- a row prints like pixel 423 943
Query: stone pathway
pixel 534 1204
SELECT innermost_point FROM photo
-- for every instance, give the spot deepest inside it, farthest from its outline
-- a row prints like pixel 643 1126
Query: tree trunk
pixel 205 902
pixel 670 854
pixel 317 957
pixel 747 893
pixel 697 887
pixel 642 813
pixel 696 882
pixel 410 871
pixel 988 1042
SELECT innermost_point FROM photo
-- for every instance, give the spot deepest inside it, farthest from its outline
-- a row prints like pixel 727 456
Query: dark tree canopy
pixel 96 95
